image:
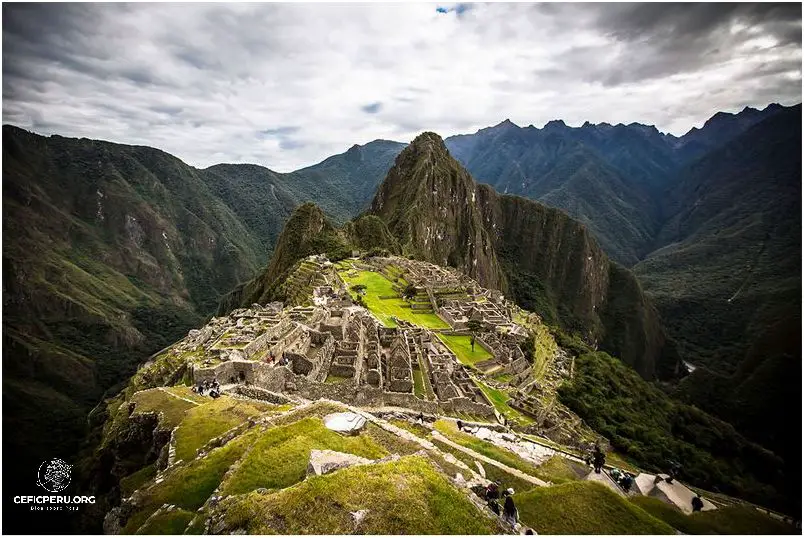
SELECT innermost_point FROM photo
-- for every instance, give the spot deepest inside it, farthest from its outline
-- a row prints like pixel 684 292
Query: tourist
pixel 492 491
pixel 599 459
pixel 421 417
pixel 460 426
pixel 697 503
pixel 627 481
pixel 509 508
pixel 494 506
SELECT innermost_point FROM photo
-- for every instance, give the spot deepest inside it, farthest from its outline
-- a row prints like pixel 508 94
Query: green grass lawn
pixel 418 383
pixel 378 286
pixel 408 496
pixel 502 378
pixel 462 347
pixel 728 520
pixel 279 459
pixel 183 391
pixel 213 418
pixel 584 507
pixel 498 399
pixel 172 408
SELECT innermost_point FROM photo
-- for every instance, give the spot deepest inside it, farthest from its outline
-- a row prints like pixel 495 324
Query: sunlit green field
pixel 462 347
pixel 499 399
pixel 378 286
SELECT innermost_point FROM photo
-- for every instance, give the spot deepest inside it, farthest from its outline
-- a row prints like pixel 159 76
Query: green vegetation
pixel 378 286
pixel 132 482
pixel 461 346
pixel 279 458
pixel 336 379
pixel 183 391
pixel 171 408
pixel 728 520
pixel 190 485
pixel 213 418
pixel 499 399
pixel 418 383
pixel 584 508
pixel 502 377
pixel 172 522
pixel 404 497
pixel 645 425
pixel 414 428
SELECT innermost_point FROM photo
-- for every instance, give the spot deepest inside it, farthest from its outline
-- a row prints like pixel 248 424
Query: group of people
pixel 282 361
pixel 213 388
pixel 509 512
pixel 623 478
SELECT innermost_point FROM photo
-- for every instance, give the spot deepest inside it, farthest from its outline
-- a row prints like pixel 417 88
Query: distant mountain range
pixel 111 252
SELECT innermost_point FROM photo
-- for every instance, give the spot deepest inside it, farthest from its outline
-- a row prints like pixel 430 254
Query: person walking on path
pixel 509 508
pixel 599 459
pixel 697 503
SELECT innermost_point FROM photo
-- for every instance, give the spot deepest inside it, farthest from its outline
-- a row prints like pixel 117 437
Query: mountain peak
pixel 506 123
pixel 555 124
pixel 428 142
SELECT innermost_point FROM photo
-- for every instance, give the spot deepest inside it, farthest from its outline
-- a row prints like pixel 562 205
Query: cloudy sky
pixel 286 85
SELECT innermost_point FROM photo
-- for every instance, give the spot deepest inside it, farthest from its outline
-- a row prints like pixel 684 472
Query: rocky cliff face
pixel 538 255
pixel 431 205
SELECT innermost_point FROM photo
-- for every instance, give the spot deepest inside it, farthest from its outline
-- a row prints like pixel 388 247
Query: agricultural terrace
pixel 385 301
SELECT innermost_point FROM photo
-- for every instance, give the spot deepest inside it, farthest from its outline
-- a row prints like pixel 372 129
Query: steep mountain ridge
pixel 613 178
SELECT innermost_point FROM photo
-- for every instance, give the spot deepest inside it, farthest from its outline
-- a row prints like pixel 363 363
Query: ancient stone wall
pixel 258 393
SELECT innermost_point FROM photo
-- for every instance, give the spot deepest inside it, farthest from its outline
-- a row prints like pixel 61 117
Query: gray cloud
pixel 286 85
pixel 372 108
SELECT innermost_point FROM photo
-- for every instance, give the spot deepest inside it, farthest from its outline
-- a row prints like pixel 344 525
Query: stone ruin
pixel 335 349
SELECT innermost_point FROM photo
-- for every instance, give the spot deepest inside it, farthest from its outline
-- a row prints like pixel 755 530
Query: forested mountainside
pixel 728 281
pixel 612 178
pixel 112 252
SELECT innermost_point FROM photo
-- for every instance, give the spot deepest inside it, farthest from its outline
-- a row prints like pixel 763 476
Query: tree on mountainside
pixel 360 289
pixel 474 327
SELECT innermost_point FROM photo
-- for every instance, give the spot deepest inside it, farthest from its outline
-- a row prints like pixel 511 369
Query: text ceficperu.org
pixel 54 499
